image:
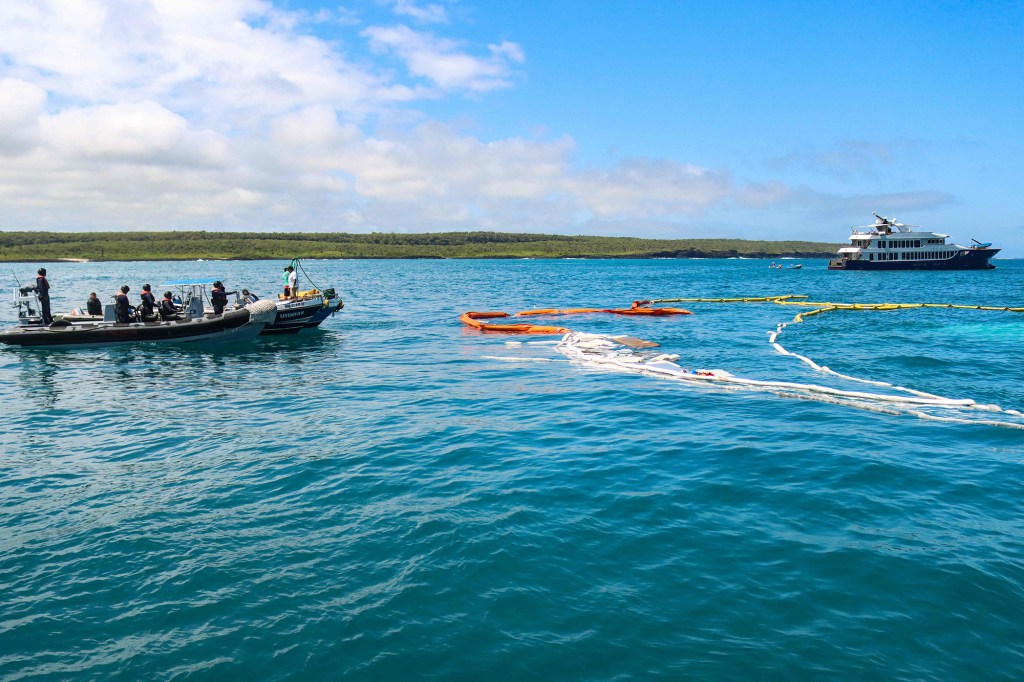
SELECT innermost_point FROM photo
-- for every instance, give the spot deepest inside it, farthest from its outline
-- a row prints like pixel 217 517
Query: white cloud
pixel 430 13
pixel 643 188
pixel 442 60
pixel 21 104
pixel 212 61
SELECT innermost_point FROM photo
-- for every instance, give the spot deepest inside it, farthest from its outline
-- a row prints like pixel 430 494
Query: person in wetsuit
pixel 148 302
pixel 122 304
pixel 93 305
pixel 168 311
pixel 43 293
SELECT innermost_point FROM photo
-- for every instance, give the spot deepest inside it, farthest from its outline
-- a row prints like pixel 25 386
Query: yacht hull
pixel 973 259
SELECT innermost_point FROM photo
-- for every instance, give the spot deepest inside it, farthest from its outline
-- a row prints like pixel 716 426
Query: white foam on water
pixel 603 351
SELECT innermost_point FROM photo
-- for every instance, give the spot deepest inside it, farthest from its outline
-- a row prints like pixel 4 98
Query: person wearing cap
pixel 122 305
pixel 148 302
pixel 43 293
pixel 93 305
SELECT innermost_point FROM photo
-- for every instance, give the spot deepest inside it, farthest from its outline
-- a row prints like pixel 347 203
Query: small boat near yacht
pixel 303 309
pixel 80 331
pixel 888 244
pixel 306 311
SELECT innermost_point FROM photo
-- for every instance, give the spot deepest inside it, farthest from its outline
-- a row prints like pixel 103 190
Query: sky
pixel 667 119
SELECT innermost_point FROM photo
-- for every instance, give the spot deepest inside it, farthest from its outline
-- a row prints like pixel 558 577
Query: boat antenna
pixel 16 277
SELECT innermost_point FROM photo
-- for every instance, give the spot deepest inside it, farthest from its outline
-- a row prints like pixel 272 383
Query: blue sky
pixel 661 119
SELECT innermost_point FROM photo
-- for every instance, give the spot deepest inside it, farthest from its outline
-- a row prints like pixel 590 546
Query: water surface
pixel 378 500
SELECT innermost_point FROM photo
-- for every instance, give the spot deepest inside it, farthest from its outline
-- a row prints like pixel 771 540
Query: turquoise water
pixel 379 500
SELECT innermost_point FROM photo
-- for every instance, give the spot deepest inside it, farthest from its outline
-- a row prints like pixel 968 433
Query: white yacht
pixel 891 245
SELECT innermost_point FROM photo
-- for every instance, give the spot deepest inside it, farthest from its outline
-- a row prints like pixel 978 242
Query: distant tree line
pixel 48 246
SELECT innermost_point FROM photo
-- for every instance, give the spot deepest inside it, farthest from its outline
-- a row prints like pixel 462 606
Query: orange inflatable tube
pixel 473 319
pixel 556 311
pixel 649 311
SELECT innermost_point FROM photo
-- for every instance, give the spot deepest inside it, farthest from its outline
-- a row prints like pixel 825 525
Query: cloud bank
pixel 237 114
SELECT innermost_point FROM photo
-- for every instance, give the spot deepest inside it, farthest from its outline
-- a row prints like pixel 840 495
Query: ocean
pixel 395 496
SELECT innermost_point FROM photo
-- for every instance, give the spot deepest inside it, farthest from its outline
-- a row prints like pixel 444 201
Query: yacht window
pixel 917 243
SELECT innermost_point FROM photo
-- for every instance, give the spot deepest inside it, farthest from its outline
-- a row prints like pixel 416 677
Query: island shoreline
pixel 38 246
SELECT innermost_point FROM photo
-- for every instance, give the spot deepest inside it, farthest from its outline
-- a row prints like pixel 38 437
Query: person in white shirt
pixel 291 280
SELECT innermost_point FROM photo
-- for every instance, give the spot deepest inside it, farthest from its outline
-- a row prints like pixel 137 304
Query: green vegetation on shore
pixel 50 246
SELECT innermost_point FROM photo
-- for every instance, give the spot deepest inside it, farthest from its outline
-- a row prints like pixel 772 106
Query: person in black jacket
pixel 168 311
pixel 148 302
pixel 122 304
pixel 93 305
pixel 43 293
pixel 219 297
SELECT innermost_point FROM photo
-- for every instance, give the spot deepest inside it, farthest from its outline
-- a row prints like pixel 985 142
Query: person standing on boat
pixel 219 297
pixel 93 305
pixel 43 293
pixel 122 305
pixel 148 301
pixel 291 279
